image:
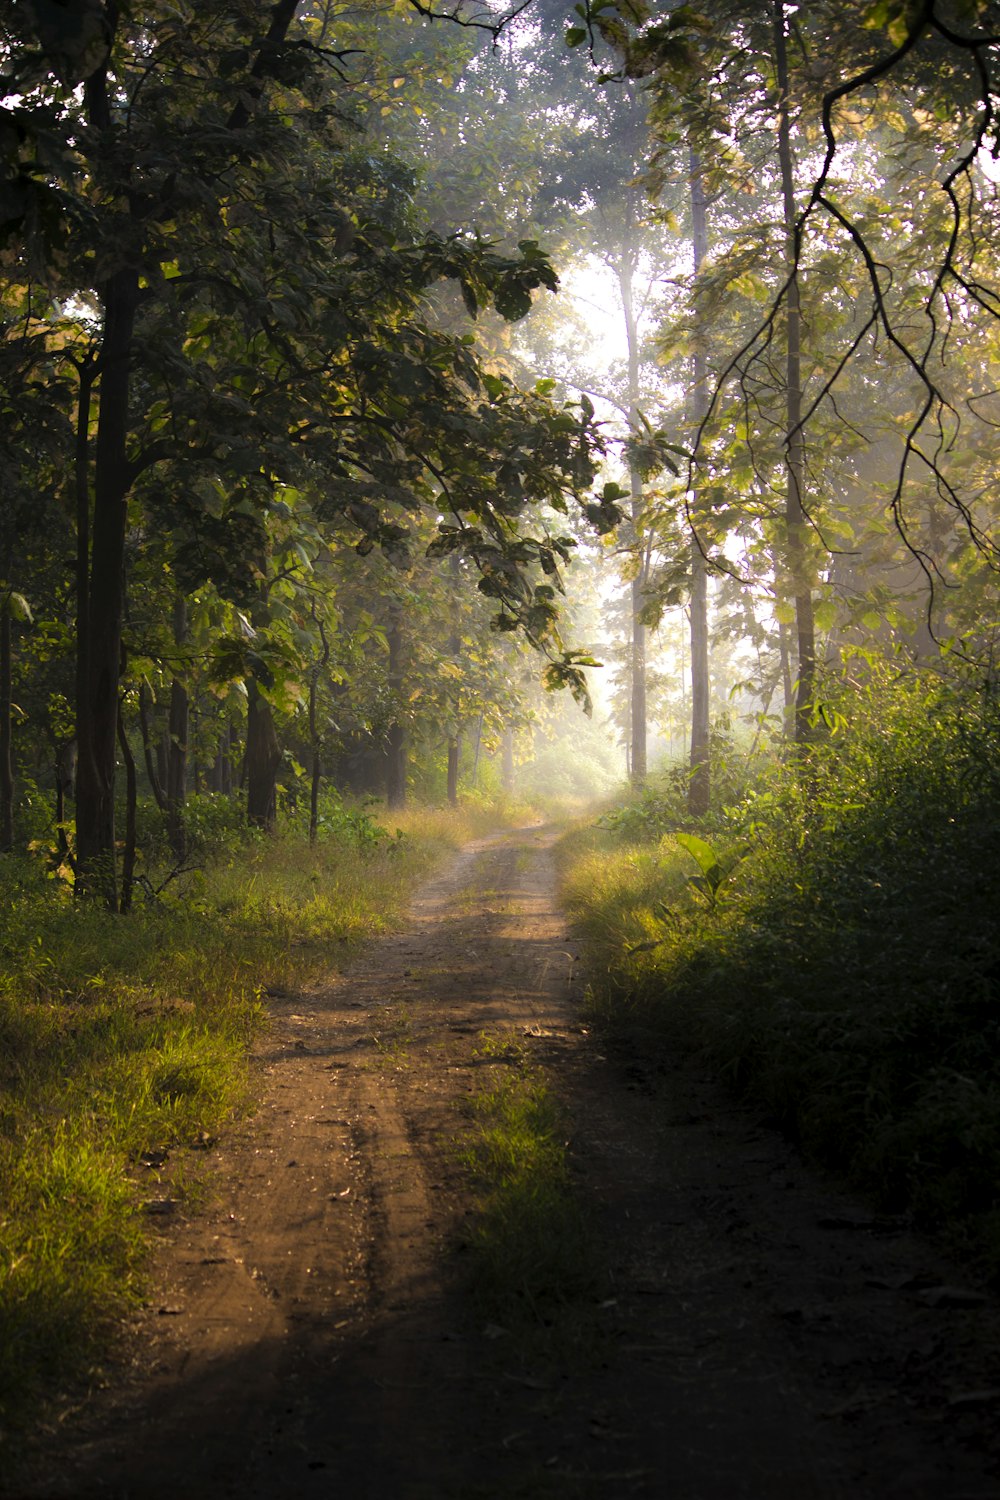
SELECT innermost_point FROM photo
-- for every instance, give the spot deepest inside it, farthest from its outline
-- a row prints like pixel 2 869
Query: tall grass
pixel 124 1040
pixel 847 974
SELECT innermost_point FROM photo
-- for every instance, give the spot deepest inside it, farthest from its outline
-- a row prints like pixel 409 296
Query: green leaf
pixel 575 35
pixel 825 614
pixel 18 608
pixel 703 853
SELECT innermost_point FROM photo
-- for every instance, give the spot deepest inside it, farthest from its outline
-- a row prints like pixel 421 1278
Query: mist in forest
pixel 626 346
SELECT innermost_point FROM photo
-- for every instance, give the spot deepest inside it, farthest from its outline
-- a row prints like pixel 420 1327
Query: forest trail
pixel 757 1336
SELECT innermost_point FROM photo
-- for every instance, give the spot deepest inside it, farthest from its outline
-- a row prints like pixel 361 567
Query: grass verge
pixel 124 1041
pixel 533 1267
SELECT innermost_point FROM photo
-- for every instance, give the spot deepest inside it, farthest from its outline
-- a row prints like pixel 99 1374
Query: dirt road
pixel 756 1336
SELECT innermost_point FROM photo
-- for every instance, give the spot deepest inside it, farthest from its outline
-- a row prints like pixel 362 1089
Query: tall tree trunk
pixel 700 785
pixel 263 757
pixel 222 765
pixel 97 713
pixel 101 601
pixel 395 743
pixel 177 746
pixel 637 672
pixel 314 736
pixel 6 756
pixel 477 750
pixel 454 748
pixel 796 520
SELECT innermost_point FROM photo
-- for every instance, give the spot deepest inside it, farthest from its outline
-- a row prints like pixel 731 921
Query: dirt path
pixel 758 1337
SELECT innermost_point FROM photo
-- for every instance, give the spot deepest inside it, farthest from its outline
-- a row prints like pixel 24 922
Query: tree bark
pixel 263 757
pixel 700 784
pixel 795 516
pixel 97 712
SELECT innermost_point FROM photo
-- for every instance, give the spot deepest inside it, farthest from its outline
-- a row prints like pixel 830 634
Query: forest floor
pixel 752 1333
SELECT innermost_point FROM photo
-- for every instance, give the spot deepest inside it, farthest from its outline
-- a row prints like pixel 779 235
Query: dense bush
pixel 662 804
pixel 846 974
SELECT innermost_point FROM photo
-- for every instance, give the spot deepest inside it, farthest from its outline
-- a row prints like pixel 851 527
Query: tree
pixel 895 210
pixel 250 333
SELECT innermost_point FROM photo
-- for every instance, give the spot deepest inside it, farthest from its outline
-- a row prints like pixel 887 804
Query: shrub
pixel 848 975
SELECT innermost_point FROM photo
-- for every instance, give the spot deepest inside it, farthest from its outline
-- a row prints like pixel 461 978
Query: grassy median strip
pixel 124 1044
pixel 533 1265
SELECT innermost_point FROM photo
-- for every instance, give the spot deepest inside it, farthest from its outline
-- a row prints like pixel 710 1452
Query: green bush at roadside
pixel 841 963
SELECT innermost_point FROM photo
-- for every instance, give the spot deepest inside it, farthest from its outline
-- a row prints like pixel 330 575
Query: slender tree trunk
pixel 314 737
pixel 395 745
pixel 128 855
pixel 263 757
pixel 700 785
pixel 177 746
pixel 477 750
pixel 454 749
pixel 6 756
pixel 315 780
pixel 637 673
pixel 795 515
pixel 222 765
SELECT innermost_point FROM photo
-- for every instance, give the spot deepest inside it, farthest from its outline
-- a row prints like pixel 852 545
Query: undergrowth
pixel 843 970
pixel 124 1042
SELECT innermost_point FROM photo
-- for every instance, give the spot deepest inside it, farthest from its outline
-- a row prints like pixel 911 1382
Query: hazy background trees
pixel 299 444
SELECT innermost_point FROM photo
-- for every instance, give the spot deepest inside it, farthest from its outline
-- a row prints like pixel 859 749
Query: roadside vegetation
pixel 829 939
pixel 532 1264
pixel 124 1049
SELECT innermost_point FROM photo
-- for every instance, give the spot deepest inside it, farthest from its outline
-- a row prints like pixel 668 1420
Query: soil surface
pixel 757 1334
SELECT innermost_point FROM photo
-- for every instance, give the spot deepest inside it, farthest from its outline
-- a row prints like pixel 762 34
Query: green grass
pixel 121 1037
pixel 533 1267
pixel 847 978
